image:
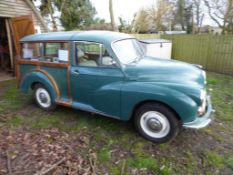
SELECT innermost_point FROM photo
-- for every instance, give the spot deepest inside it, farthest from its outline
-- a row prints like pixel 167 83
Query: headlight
pixel 203 94
pixel 204 76
pixel 202 108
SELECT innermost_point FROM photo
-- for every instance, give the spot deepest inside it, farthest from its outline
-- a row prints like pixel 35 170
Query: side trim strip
pixel 42 63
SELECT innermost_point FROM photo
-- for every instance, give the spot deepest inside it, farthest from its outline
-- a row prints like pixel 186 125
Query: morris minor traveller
pixel 108 73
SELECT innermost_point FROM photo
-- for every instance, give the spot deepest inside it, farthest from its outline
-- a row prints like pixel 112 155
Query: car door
pixel 96 79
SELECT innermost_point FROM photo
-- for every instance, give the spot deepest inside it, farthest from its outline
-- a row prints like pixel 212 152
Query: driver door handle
pixel 75 72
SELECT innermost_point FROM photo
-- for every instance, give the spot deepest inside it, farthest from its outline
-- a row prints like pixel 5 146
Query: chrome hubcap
pixel 43 97
pixel 155 124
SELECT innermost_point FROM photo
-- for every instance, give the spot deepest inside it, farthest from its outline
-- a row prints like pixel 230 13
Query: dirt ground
pixel 68 141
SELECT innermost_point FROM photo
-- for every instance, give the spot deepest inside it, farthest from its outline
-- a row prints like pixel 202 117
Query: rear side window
pixel 56 52
pixel 51 49
pixel 31 51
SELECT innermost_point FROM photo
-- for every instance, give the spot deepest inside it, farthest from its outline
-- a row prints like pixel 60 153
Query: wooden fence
pixel 213 52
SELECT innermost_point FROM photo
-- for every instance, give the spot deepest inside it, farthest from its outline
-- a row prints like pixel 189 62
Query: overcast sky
pixel 127 8
pixel 124 8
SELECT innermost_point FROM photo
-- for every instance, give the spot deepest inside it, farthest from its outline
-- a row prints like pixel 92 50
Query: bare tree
pixel 47 9
pixel 221 12
pixel 141 24
pixel 183 14
pixel 112 16
pixel 188 17
pixel 180 13
pixel 159 14
pixel 198 13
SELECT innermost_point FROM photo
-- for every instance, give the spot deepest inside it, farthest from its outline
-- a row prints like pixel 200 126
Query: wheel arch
pixel 141 103
pixel 136 94
pixel 34 77
pixel 34 84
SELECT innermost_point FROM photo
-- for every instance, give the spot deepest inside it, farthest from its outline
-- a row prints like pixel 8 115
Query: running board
pixel 64 103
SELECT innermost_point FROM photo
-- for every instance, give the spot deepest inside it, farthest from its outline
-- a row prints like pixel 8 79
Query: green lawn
pixel 92 143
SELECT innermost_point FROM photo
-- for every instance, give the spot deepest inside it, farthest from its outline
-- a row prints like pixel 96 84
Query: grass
pixel 213 159
pixel 191 162
pixel 144 163
pixel 116 142
pixel 104 155
pixel 46 122
pixel 11 97
pixel 16 121
pixel 229 162
pixel 222 95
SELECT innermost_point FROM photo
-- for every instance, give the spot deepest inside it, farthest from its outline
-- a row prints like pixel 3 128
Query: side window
pixel 56 52
pixel 31 51
pixel 93 55
pixel 49 52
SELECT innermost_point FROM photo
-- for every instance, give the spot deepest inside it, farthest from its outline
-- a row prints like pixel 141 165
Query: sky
pixel 122 8
pixel 127 8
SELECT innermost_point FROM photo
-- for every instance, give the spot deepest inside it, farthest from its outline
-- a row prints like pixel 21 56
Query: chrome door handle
pixel 75 72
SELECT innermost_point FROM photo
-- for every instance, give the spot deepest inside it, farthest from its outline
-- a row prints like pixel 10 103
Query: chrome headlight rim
pixel 204 76
pixel 203 98
pixel 203 94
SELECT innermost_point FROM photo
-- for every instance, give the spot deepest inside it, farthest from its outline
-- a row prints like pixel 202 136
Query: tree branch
pixel 43 172
pixel 210 14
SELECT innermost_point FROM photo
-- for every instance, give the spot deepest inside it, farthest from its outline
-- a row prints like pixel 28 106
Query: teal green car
pixel 108 73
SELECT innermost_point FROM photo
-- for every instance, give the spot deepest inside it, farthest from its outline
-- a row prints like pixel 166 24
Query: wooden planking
pixel 14 8
pixel 43 63
pixel 21 26
pixel 215 53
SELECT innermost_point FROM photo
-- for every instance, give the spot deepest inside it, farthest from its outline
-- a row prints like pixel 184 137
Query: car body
pixel 108 73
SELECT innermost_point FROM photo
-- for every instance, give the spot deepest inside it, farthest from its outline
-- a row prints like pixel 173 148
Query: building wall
pixel 15 8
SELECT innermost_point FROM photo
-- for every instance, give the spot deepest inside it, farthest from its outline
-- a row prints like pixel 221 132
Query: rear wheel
pixel 156 122
pixel 43 97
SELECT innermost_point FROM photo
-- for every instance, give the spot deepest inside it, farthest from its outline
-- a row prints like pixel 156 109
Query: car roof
pixel 94 36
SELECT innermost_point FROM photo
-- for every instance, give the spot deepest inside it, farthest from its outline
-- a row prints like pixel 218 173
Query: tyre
pixel 43 98
pixel 156 122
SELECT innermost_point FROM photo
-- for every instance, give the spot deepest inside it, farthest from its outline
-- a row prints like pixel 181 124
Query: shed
pixel 18 18
pixel 159 48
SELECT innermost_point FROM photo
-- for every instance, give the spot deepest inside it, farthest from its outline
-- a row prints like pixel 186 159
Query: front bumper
pixel 203 121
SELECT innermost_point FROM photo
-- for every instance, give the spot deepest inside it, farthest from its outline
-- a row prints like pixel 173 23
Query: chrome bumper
pixel 203 121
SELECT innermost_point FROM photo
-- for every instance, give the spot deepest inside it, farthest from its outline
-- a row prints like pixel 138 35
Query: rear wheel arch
pixel 48 86
pixel 31 79
pixel 34 84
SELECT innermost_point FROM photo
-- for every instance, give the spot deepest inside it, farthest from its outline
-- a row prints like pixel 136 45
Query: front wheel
pixel 156 122
pixel 43 98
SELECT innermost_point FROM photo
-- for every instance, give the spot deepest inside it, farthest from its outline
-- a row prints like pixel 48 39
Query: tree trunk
pixel 114 28
pixel 51 15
